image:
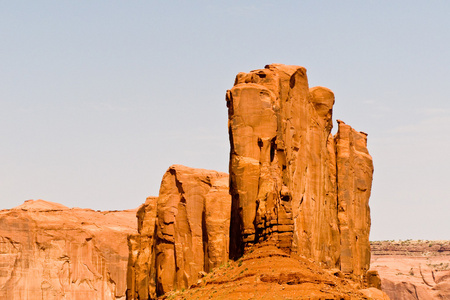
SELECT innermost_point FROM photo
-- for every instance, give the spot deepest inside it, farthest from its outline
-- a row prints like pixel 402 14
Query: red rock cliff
pixel 185 231
pixel 291 181
pixel 48 251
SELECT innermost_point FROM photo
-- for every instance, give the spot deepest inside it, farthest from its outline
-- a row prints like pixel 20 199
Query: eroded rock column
pixel 282 163
pixel 354 177
pixel 291 181
pixel 141 274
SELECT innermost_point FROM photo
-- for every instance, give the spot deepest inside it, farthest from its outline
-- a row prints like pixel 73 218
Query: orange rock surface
pixel 141 276
pixel 291 181
pixel 354 182
pixel 292 184
pixel 413 270
pixel 293 214
pixel 184 232
pixel 48 251
pixel 266 272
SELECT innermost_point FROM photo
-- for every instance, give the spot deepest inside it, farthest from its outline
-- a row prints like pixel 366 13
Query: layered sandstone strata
pixel 291 181
pixel 48 251
pixel 184 232
pixel 413 270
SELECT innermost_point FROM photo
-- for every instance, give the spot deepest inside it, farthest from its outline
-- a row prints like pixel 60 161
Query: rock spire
pixel 291 181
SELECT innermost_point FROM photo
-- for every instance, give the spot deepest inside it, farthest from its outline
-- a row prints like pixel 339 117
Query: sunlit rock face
pixel 291 181
pixel 354 182
pixel 184 231
pixel 48 251
pixel 141 276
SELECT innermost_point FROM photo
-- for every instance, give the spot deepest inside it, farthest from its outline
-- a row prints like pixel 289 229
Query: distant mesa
pixel 48 251
pixel 40 205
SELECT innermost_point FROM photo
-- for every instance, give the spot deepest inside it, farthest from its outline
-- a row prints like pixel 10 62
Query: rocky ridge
pixel 50 251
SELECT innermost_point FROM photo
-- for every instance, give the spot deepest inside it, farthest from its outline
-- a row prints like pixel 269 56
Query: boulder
pixel 375 294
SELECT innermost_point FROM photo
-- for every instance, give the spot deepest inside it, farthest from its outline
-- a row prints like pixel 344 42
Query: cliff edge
pixel 50 251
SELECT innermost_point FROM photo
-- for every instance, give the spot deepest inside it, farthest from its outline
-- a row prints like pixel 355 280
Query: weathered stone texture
pixel 191 232
pixel 289 176
pixel 354 177
pixel 291 182
pixel 48 251
pixel 141 269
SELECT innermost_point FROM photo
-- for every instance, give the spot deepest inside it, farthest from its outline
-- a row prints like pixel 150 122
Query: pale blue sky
pixel 99 98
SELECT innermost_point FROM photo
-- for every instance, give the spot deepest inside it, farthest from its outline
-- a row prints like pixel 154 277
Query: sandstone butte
pixel 292 181
pixel 49 251
pixel 294 220
pixel 297 202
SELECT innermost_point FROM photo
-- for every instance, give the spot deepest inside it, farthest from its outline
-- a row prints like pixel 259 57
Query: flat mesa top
pixel 41 205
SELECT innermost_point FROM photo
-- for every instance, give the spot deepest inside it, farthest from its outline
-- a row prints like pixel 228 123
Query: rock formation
pixel 184 232
pixel 141 276
pixel 48 251
pixel 293 185
pixel 291 181
pixel 413 270
pixel 296 201
pixel 354 181
pixel 266 272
